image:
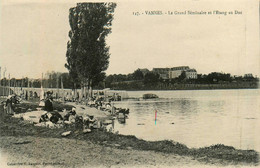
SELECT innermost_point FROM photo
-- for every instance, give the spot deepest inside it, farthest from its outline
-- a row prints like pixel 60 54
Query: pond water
pixel 195 118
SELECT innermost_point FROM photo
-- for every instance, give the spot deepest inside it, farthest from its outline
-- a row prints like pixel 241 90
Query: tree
pixel 37 83
pixel 87 52
pixel 138 75
pixel 151 78
pixel 182 76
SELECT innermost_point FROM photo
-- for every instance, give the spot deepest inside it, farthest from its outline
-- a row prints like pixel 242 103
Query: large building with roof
pixel 191 74
pixel 175 72
pixel 163 72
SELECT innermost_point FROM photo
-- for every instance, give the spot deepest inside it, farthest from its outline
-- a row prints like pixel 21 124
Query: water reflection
pixel 196 118
pixel 216 106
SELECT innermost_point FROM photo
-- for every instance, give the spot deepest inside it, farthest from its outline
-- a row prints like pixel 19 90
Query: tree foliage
pixel 151 78
pixel 87 52
pixel 182 76
pixel 138 75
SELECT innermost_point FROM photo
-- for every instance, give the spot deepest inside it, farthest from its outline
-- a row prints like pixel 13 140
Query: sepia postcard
pixel 129 83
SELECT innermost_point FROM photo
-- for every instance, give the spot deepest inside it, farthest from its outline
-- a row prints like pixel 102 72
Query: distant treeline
pixel 138 85
pixel 140 81
pixel 151 81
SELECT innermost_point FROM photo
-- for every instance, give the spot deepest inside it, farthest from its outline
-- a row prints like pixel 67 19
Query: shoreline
pixel 86 110
pixel 183 86
pixel 158 89
pixel 214 154
pixel 186 89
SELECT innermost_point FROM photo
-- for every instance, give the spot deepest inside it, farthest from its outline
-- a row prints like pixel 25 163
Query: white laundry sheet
pixel 33 116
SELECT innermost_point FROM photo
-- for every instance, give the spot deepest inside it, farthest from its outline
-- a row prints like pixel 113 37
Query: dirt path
pixel 27 151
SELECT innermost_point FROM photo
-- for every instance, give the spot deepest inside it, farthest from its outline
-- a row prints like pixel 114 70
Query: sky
pixel 34 36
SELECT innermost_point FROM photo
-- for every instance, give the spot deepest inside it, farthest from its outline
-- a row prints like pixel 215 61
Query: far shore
pixel 188 87
pixel 20 142
pixel 178 88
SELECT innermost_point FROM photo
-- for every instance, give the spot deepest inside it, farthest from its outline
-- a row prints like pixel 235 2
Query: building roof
pixel 180 68
pixel 191 70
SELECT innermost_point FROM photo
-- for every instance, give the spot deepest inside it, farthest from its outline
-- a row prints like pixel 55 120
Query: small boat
pixel 150 96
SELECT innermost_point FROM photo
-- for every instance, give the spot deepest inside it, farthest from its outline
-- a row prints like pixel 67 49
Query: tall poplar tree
pixel 87 51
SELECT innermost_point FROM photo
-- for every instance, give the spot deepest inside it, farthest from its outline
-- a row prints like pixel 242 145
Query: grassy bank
pixel 224 154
